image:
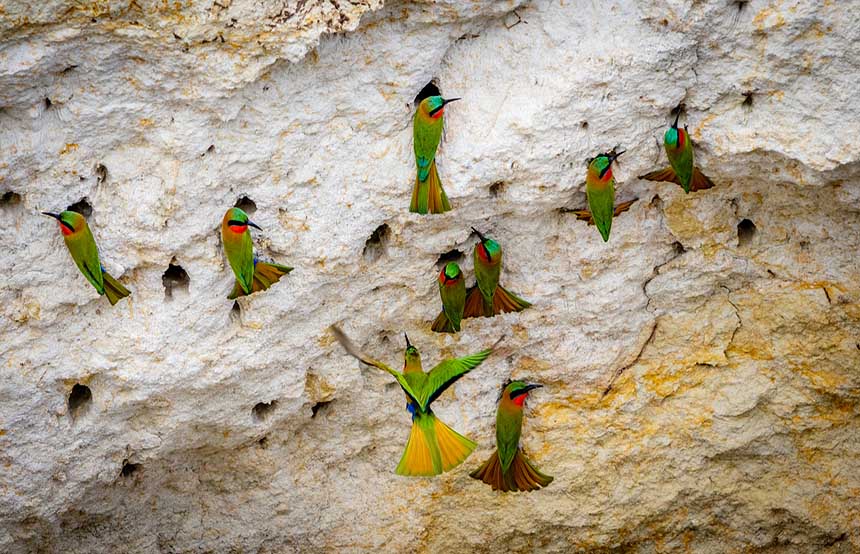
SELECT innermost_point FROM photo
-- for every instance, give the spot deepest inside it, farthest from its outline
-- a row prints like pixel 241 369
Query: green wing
pixel 426 133
pixel 509 426
pixel 353 351
pixel 602 206
pixel 446 373
pixel 681 160
pixel 86 255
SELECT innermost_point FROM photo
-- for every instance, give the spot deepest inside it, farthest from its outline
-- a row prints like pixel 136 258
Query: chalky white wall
pixel 732 421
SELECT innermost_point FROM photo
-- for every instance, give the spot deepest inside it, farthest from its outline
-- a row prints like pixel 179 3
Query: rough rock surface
pixel 702 368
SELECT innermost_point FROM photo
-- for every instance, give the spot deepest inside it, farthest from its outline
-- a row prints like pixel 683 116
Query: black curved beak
pixel 52 214
pixel 532 386
pixel 614 155
pixel 449 100
pixel 254 225
pixel 408 344
pixel 480 234
pixel 677 117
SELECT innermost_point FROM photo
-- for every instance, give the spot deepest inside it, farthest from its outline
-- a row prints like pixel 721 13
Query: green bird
pixel 488 297
pixel 82 246
pixel 452 289
pixel 682 169
pixel 428 196
pixel 600 191
pixel 433 447
pixel 252 275
pixel 508 468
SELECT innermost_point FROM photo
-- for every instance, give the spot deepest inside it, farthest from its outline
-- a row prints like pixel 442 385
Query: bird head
pixel 435 105
pixel 601 163
pixel 671 136
pixel 450 273
pixel 411 352
pixel 517 391
pixel 487 249
pixel 238 221
pixel 70 222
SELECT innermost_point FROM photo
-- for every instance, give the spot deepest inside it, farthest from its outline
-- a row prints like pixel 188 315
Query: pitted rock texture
pixel 702 369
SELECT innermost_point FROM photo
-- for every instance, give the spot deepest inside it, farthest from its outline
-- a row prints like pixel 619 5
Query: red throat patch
pixel 519 400
pixel 239 229
pixel 438 114
pixel 682 137
pixel 66 231
pixel 607 176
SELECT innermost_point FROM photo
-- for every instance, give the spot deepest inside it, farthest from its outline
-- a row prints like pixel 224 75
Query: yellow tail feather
pixel 453 447
pixel 114 289
pixel 432 448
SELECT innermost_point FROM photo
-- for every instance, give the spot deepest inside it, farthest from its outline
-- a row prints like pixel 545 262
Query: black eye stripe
pixel 67 226
pixel 237 222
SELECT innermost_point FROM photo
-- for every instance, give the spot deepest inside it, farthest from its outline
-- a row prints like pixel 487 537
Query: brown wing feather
pixel 667 174
pixel 700 181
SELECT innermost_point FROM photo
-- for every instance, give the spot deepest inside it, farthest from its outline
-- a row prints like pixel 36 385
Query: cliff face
pixel 702 369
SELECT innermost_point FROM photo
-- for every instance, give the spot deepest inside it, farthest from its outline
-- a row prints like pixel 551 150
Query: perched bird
pixel 600 191
pixel 508 469
pixel 452 289
pixel 252 275
pixel 488 297
pixel 428 196
pixel 682 170
pixel 82 246
pixel 433 447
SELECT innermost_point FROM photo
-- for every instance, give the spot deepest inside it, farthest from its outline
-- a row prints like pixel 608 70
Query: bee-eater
pixel 428 196
pixel 452 289
pixel 433 447
pixel 488 297
pixel 82 246
pixel 508 469
pixel 252 275
pixel 600 191
pixel 682 169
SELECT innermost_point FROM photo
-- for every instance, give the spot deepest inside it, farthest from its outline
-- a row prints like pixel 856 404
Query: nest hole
pixel 129 469
pixel 497 188
pixel 246 205
pixel 174 279
pixel 747 103
pixel 262 410
pixel 83 207
pixel 454 255
pixel 80 399
pixel 374 246
pixel 746 232
pixel 315 409
pixel 10 198
pixel 430 89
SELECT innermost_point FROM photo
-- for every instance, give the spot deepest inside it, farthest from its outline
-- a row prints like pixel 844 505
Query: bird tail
pixel 503 301
pixel 700 181
pixel 265 275
pixel 114 289
pixel 433 448
pixel 428 196
pixel 476 304
pixel 522 475
pixel 506 301
pixel 442 324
